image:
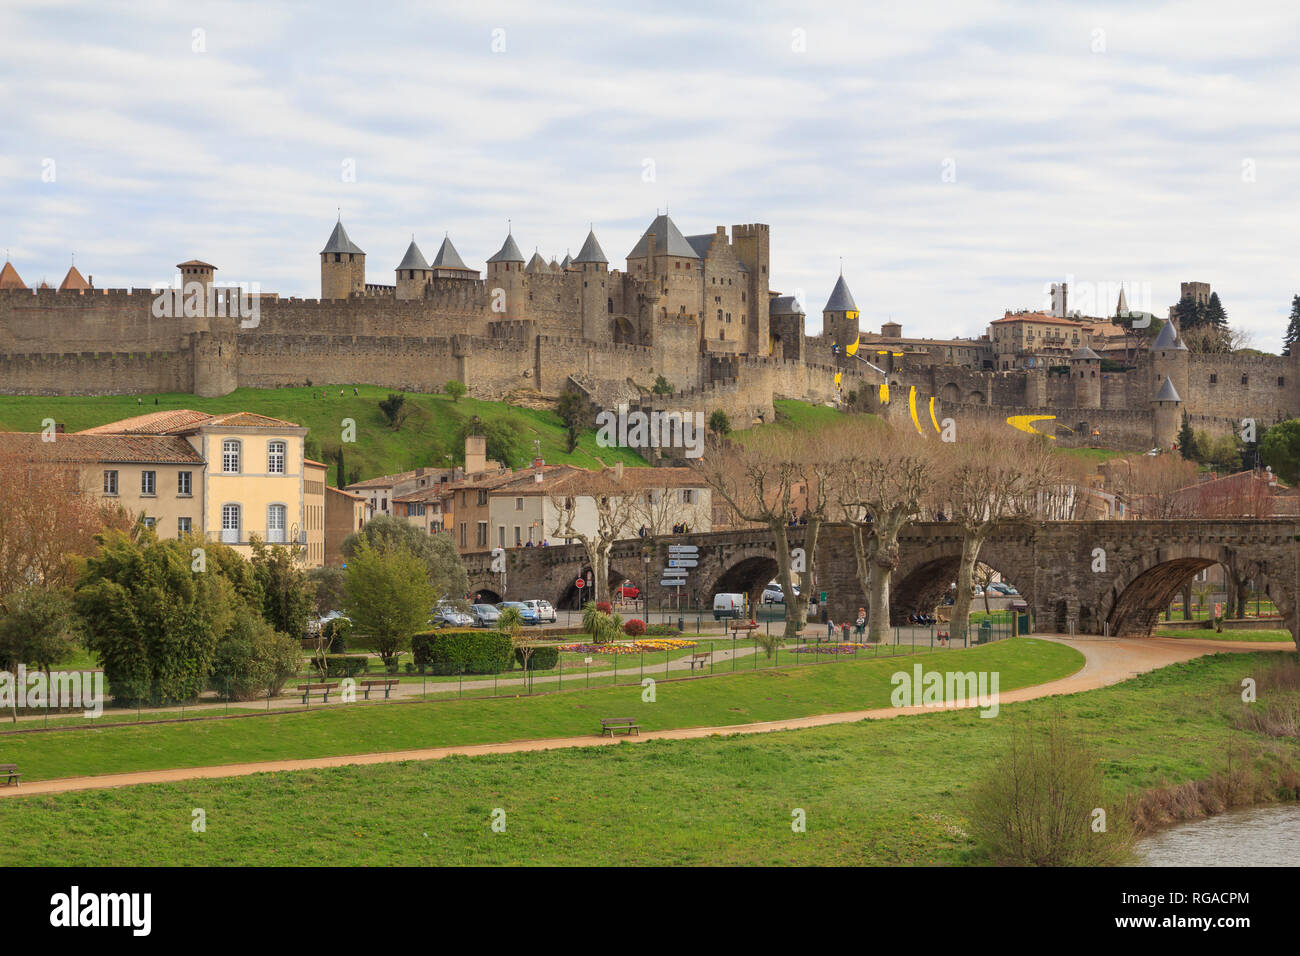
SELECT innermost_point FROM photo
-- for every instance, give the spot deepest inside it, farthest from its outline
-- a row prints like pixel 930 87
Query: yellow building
pixel 227 477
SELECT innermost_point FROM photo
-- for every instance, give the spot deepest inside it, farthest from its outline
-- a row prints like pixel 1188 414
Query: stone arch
pixel 950 394
pixel 975 398
pixel 484 595
pixel 1143 589
pixel 920 584
pixel 748 575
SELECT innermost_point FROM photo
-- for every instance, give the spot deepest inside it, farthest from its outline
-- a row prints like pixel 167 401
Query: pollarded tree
pixel 595 509
pixel 879 491
pixel 987 480
pixel 764 480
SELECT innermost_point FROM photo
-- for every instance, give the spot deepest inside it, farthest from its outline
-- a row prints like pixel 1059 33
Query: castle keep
pixel 698 310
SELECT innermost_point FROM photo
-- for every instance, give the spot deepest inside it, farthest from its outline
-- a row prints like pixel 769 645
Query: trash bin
pixel 1019 617
pixel 985 633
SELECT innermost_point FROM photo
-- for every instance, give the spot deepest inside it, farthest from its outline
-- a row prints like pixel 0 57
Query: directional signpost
pixel 681 558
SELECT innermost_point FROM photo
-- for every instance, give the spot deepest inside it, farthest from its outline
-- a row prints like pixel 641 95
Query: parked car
pixel 529 614
pixel 484 615
pixel 774 594
pixel 627 592
pixel 444 615
pixel 728 606
pixel 999 587
pixel 545 613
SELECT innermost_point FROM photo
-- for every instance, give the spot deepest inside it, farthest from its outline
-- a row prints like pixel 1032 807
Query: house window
pixel 519 504
pixel 275 457
pixel 110 482
pixel 688 496
pixel 1245 380
pixel 150 522
pixel 149 483
pixel 1214 378
pixel 1281 382
pixel 501 536
pixel 185 483
pixel 184 525
pixel 230 524
pixel 482 536
pixel 230 456
pixel 519 538
pixel 275 524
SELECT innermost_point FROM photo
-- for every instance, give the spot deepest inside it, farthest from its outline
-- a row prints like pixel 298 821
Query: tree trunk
pixel 1187 601
pixel 878 614
pixel 970 553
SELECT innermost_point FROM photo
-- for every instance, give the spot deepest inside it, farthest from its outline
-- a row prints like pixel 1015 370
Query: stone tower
pixel 840 316
pixel 342 266
pixel 1085 372
pixel 591 263
pixel 505 278
pixel 752 244
pixel 413 273
pixel 1166 415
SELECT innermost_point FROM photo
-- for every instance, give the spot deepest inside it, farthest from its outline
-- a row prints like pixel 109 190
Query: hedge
pixel 542 659
pixel 461 651
pixel 340 666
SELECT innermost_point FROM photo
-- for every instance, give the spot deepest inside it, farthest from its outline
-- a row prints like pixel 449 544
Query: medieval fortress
pixel 698 310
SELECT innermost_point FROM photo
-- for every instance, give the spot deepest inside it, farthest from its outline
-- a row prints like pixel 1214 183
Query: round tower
pixel 505 278
pixel 1169 359
pixel 1085 372
pixel 1166 415
pixel 342 266
pixel 591 264
pixel 413 273
pixel 840 316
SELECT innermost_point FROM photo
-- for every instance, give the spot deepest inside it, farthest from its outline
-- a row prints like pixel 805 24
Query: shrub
pixel 542 659
pixel 634 628
pixel 337 665
pixel 661 630
pixel 1035 808
pixel 338 631
pixel 604 607
pixel 457 651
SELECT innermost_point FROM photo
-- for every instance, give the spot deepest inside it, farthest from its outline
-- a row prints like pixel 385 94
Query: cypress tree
pixel 1293 329
pixel 1186 440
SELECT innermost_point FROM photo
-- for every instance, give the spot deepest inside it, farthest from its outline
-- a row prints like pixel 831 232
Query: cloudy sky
pixel 957 156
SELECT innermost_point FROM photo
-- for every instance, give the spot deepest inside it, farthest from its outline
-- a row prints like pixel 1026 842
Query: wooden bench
pixel 700 660
pixel 738 626
pixel 608 725
pixel 324 689
pixel 387 685
pixel 10 772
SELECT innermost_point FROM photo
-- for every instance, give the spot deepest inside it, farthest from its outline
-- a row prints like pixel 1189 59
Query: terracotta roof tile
pixel 79 447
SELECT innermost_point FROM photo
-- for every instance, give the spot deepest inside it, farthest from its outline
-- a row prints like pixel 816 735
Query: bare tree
pixel 879 491
pixel 1154 486
pixel 611 509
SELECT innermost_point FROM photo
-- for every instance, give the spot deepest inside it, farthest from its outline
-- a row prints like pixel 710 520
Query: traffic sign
pixel 675 583
pixel 580 583
pixel 683 549
pixel 675 572
pixel 684 563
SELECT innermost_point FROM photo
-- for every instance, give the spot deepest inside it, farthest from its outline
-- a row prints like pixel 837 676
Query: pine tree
pixel 1216 321
pixel 1186 440
pixel 1293 329
pixel 1189 314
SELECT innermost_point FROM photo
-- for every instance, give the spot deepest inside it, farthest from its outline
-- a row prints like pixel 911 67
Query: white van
pixel 728 606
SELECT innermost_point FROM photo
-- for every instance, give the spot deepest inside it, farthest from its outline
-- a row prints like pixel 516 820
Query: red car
pixel 627 592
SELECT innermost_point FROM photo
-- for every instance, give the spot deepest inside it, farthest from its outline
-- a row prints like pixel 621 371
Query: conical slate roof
pixel 414 259
pixel 1168 393
pixel 509 252
pixel 9 278
pixel 591 251
pixel 1084 353
pixel 448 257
pixel 74 281
pixel 339 241
pixel 566 261
pixel 1168 338
pixel 669 241
pixel 841 299
pixel 536 263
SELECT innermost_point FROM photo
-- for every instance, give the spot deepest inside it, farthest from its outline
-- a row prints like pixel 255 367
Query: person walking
pixel 860 625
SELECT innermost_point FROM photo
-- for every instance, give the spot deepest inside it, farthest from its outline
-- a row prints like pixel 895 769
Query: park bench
pixel 737 626
pixel 700 660
pixel 324 689
pixel 386 684
pixel 608 725
pixel 10 772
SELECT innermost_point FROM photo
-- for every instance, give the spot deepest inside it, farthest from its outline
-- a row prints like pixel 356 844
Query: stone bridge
pixel 1098 576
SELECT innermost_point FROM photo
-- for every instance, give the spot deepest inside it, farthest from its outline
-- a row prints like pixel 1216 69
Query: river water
pixel 1259 836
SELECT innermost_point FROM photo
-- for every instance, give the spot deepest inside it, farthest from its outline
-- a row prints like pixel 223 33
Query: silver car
pixel 444 615
pixel 544 611
pixel 484 615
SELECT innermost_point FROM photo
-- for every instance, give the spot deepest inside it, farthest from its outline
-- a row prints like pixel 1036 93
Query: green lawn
pixel 745 697
pixel 876 793
pixel 1209 634
pixel 424 439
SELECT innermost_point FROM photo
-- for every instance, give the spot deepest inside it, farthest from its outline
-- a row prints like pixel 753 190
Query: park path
pixel 1105 662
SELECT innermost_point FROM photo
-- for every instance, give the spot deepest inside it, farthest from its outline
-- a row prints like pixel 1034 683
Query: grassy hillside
pixel 426 437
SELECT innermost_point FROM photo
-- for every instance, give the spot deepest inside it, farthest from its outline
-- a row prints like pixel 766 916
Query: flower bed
pixel 829 648
pixel 634 647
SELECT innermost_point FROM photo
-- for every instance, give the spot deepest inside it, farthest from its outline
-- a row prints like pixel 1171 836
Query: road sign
pixel 683 549
pixel 675 583
pixel 684 563
pixel 675 572
pixel 580 583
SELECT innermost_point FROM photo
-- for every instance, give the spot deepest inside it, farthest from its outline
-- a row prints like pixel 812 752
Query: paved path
pixel 1105 662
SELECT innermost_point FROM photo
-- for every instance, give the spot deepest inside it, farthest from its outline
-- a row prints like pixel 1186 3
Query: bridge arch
pixel 927 574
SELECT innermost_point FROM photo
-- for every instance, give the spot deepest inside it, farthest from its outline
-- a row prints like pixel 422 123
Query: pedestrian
pixel 830 628
pixel 861 623
pixel 354 390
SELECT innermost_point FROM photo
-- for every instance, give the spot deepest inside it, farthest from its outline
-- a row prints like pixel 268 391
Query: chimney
pixel 539 478
pixel 475 454
pixel 539 463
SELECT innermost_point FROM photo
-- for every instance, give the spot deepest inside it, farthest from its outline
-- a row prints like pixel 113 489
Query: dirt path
pixel 1105 662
